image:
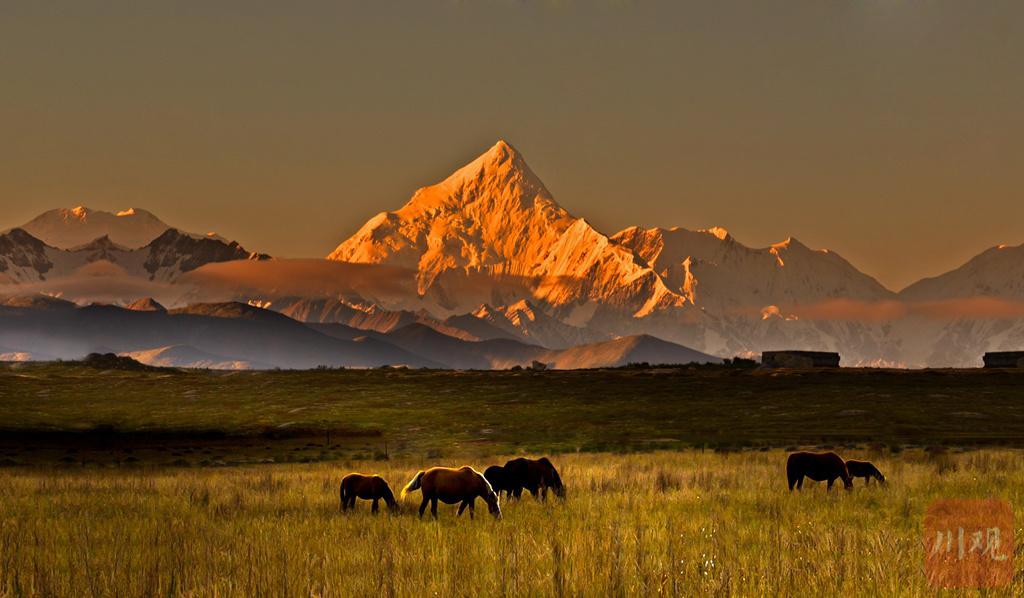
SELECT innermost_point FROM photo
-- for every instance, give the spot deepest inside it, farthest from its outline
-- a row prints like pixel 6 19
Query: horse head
pixel 556 484
pixel 493 508
pixel 389 498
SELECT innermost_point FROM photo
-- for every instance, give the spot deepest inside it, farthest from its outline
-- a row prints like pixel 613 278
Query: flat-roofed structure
pixel 1004 359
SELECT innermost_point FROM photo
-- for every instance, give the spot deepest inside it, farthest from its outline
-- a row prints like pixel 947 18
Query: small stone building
pixel 799 359
pixel 1004 359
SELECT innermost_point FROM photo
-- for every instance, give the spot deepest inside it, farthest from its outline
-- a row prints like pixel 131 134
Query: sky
pixel 890 132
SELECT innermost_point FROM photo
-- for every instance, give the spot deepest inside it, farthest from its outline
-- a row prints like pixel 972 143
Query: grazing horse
pixel 535 475
pixel 452 486
pixel 818 467
pixel 367 487
pixel 499 481
pixel 864 469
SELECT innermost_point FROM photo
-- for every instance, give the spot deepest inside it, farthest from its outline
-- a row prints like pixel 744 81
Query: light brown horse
pixel 366 487
pixel 818 467
pixel 535 475
pixel 864 469
pixel 451 486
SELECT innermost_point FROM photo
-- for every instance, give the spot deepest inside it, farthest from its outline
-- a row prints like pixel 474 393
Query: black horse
pixel 535 475
pixel 499 481
pixel 864 469
pixel 817 466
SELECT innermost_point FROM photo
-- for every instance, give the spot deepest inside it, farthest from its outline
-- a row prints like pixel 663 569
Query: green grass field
pixel 326 415
pixel 90 507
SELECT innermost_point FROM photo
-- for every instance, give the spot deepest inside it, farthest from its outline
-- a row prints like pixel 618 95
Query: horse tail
pixel 413 485
pixel 345 481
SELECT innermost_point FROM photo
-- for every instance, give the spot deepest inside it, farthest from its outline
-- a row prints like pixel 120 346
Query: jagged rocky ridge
pixel 24 258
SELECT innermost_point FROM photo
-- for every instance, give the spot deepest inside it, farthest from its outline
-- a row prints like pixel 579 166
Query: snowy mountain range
pixel 488 256
pixel 25 258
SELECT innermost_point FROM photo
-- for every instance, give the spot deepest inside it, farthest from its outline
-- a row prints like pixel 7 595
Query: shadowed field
pixel 73 415
pixel 671 523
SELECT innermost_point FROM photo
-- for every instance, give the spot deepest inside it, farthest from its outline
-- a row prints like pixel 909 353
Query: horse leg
pixel 462 508
pixel 423 506
pixel 373 509
pixel 472 507
pixel 830 482
pixel 433 507
pixel 800 483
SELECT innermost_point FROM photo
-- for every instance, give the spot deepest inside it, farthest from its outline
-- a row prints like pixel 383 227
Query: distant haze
pixel 889 132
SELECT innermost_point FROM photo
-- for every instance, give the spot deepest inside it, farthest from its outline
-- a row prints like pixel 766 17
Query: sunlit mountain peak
pixel 717 231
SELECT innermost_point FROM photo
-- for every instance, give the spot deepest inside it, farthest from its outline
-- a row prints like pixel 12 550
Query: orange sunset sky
pixel 891 132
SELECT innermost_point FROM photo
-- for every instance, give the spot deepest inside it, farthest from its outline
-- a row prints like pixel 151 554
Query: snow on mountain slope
pixel 530 324
pixel 68 228
pixel 996 272
pixel 24 258
pixel 714 271
pixel 585 266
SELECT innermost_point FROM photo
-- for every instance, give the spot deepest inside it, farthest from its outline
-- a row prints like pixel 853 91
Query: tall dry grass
pixel 660 524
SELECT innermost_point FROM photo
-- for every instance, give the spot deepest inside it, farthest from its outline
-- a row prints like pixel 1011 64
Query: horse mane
pixel 486 483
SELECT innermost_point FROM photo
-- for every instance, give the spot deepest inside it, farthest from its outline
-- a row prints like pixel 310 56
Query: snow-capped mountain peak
pixel 66 228
pixel 493 222
pixel 492 215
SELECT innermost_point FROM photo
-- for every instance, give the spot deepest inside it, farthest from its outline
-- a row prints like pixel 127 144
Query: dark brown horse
pixel 452 486
pixel 535 475
pixel 495 475
pixel 367 487
pixel 864 469
pixel 818 467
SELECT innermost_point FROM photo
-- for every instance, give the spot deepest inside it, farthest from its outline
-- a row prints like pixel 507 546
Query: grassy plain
pixel 668 523
pixel 90 508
